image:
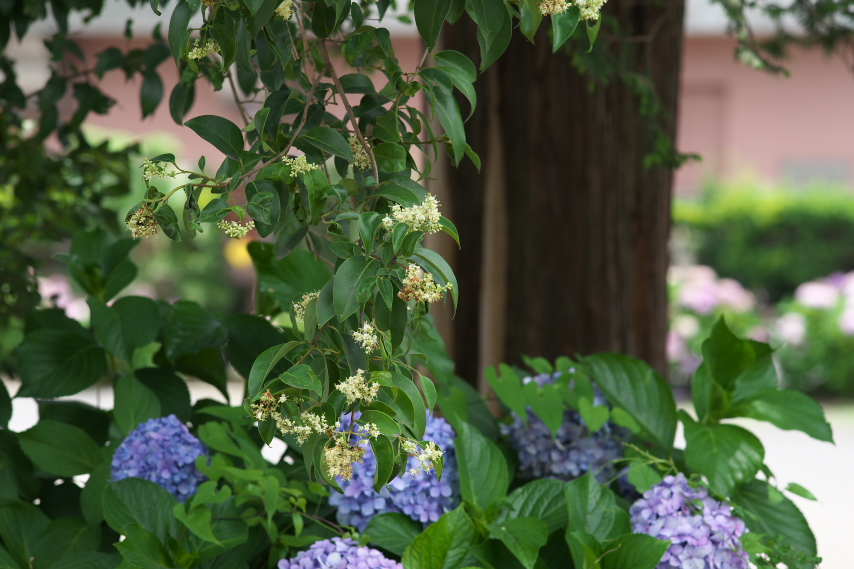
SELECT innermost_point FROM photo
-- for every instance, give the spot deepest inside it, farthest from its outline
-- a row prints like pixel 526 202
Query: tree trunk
pixel 565 232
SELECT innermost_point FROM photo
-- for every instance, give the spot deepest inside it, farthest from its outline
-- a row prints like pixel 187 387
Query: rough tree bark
pixel 581 265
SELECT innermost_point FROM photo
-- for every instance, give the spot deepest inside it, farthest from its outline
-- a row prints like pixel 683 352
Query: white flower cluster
pixel 418 288
pixel 235 229
pixel 356 387
pixel 156 170
pixel 142 223
pixel 299 165
pixel 590 8
pixel 309 423
pixel 366 338
pixel 424 217
pixel 553 7
pixel 299 307
pixel 203 49
pixel 361 160
pixel 340 458
pixel 285 9
pixel 426 456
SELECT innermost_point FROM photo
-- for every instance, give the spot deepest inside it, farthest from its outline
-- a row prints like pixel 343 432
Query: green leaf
pixel 248 337
pixel 444 544
pixel 509 389
pixel 432 262
pixel 151 92
pixel 66 537
pixel 21 526
pixel 54 363
pixel 727 455
pixel 593 509
pixel 384 423
pixel 405 192
pixel 190 329
pixel 635 550
pixel 303 377
pixel 546 402
pixel 563 26
pixel 494 43
pixel 171 391
pixel 265 364
pixel 330 141
pixel 197 520
pixel 484 476
pixel 727 356
pixel 451 118
pixel 593 33
pixel 5 406
pixel 263 205
pixel 390 157
pixel 384 453
pixel 168 222
pixel 137 502
pixel 61 449
pixel 352 273
pixel 143 549
pixel 789 410
pixel 799 490
pixel 765 510
pixel 429 17
pixel 523 537
pixel 393 532
pixel 542 499
pixel 221 132
pixel 134 403
pixel 638 389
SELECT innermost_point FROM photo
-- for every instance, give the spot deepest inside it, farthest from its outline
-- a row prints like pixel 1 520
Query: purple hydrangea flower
pixel 573 451
pixel 703 532
pixel 337 553
pixel 163 451
pixel 422 497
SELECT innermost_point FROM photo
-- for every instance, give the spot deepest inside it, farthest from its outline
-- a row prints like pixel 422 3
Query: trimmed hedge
pixel 771 240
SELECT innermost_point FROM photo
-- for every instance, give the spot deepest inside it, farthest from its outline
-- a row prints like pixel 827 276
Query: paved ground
pixel 822 468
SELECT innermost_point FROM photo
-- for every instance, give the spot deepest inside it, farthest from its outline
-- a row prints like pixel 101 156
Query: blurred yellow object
pixel 237 255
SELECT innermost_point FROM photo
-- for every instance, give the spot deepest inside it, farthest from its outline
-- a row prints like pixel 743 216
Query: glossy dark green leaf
pixel 523 537
pixel 429 17
pixel 330 141
pixel 265 364
pixel 171 391
pixel 728 356
pixel 767 511
pixel 393 532
pixel 541 499
pixel 61 449
pixel 303 377
pixel 726 454
pixel 494 36
pixel 21 526
pixel 345 289
pixel 384 453
pixel 248 337
pixel 177 27
pixel 5 406
pixel 167 221
pixel 151 92
pixel 134 403
pixel 789 410
pixel 390 157
pixel 639 390
pixel 405 192
pixel 444 544
pixel 635 550
pixel 432 262
pixel 484 476
pixel 593 509
pixel 191 329
pixel 261 206
pixel 137 502
pixel 563 26
pixel 223 134
pixel 54 363
pixel 449 115
pixel 384 422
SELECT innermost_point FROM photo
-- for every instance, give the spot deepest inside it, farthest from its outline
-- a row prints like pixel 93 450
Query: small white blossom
pixel 426 456
pixel 142 223
pixel 203 49
pixel 285 9
pixel 356 387
pixel 299 307
pixel 366 338
pixel 553 7
pixel 361 160
pixel 235 229
pixel 299 165
pixel 340 458
pixel 421 288
pixel 424 217
pixel 156 170
pixel 589 8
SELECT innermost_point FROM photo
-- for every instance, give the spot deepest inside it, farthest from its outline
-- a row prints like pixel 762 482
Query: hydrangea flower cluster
pixel 142 223
pixel 299 307
pixel 203 49
pixel 299 165
pixel 703 532
pixel 163 451
pixel 573 452
pixel 423 498
pixel 235 229
pixel 338 553
pixel 424 217
pixel 285 9
pixel 421 288
pixel 361 160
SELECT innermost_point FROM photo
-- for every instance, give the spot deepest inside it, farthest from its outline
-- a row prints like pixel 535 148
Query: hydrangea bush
pixel 163 451
pixel 323 175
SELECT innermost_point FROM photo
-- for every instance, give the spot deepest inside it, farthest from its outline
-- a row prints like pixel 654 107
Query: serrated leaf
pixel 541 499
pixel 393 531
pixel 523 537
pixel 61 449
pixel 444 544
pixel 484 476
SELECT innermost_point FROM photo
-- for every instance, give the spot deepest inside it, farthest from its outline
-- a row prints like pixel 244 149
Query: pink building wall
pixel 749 123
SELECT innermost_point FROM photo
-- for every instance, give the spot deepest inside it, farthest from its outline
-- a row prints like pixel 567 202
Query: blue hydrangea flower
pixel 573 451
pixel 703 532
pixel 163 451
pixel 422 497
pixel 337 553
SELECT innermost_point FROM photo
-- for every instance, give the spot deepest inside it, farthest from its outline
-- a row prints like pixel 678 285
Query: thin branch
pixel 237 100
pixel 340 89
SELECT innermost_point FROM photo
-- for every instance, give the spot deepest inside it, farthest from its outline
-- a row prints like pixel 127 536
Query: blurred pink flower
pixel 732 294
pixel 791 328
pixel 846 321
pixel 816 294
pixel 676 347
pixel 55 290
